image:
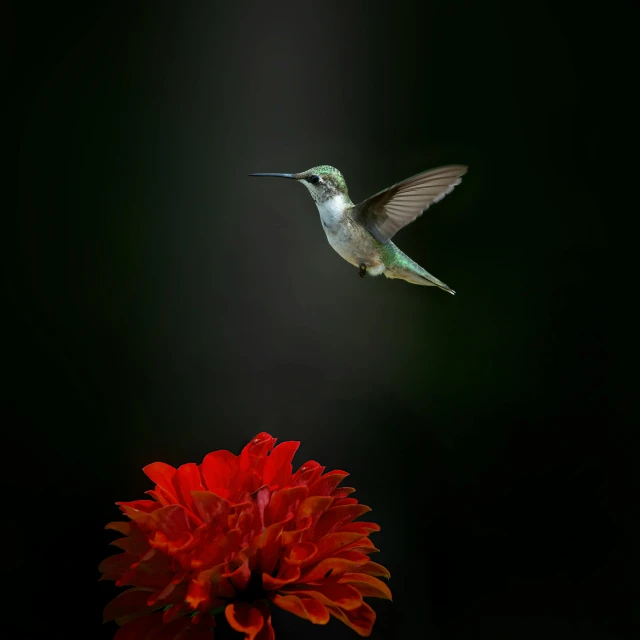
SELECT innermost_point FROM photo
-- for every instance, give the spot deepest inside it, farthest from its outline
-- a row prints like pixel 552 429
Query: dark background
pixel 160 304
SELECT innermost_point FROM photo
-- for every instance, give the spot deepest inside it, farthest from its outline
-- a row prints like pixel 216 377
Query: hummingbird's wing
pixel 387 212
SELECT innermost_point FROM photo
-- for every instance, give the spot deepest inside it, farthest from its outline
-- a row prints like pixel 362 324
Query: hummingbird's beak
pixel 273 175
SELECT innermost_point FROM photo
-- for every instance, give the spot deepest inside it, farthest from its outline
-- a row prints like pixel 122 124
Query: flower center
pixel 254 590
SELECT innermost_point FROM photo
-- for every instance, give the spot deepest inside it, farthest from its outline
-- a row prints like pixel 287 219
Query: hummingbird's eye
pixel 314 179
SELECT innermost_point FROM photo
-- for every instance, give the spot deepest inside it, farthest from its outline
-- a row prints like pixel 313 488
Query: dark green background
pixel 162 305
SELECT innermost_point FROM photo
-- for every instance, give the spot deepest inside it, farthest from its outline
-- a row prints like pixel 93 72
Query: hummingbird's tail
pixel 400 265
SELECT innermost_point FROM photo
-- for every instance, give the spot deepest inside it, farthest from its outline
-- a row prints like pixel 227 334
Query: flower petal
pixel 367 585
pixel 311 509
pixel 331 567
pixel 301 552
pixel 218 471
pixel 287 574
pixel 269 547
pixel 360 620
pixel 307 474
pixel 267 632
pixel 126 604
pixel 187 479
pixel 343 492
pixel 113 567
pixel 209 506
pixel 374 569
pixel 364 544
pixel 330 594
pixel 239 577
pixel 254 455
pixel 172 528
pixel 337 517
pixel 365 528
pixel 121 527
pixel 278 468
pixel 332 543
pixel 244 617
pixel 306 608
pixel 139 629
pixel 162 474
pixel 326 484
pixel 285 502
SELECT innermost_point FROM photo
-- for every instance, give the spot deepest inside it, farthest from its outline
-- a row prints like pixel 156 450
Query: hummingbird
pixel 362 233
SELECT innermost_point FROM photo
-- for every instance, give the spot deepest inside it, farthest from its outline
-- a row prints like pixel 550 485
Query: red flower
pixel 236 533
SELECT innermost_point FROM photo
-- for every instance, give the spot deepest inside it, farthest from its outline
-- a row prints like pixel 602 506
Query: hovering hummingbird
pixel 362 233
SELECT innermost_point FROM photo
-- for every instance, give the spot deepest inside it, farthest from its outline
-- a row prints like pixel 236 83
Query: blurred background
pixel 161 304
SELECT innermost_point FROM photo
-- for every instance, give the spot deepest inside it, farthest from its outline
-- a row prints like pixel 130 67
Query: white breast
pixel 333 220
pixel 332 211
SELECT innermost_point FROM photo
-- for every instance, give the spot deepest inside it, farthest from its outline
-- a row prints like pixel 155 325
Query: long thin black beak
pixel 273 175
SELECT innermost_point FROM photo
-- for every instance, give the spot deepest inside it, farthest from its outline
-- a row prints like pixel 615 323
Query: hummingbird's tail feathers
pixel 419 277
pixel 401 266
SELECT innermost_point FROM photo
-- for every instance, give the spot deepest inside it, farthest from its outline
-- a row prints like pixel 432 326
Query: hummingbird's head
pixel 324 182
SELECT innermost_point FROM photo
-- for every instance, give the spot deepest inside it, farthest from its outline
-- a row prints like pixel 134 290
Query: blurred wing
pixel 394 208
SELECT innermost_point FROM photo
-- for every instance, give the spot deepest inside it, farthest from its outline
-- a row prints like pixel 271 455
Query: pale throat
pixel 332 210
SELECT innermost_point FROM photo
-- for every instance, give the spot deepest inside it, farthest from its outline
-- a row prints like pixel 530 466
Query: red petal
pixel 239 577
pixel 260 499
pixel 270 547
pixel 174 630
pixel 285 502
pixel 266 633
pixel 220 548
pixel 257 449
pixel 306 608
pixel 126 604
pixel 332 543
pixel 277 468
pixel 301 552
pixel 374 569
pixel 342 501
pixel 337 517
pixel 200 589
pixel 161 496
pixel 143 505
pixel 312 509
pixel 244 617
pixel 162 594
pixel 114 567
pixel 331 594
pixel 325 485
pixel 218 468
pixel 364 544
pixel 171 612
pixel 365 528
pixel 334 567
pixel 122 527
pixel 355 556
pixel 136 542
pixel 172 521
pixel 287 574
pixel 162 474
pixel 368 586
pixel 140 628
pixel 343 492
pixel 186 480
pixel 201 628
pixel 307 473
pixel 209 506
pixel 360 620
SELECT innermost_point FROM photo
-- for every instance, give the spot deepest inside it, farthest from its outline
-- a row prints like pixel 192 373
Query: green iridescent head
pixel 324 182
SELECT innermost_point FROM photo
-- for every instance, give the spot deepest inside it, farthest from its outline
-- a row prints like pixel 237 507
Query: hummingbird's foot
pixel 362 270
